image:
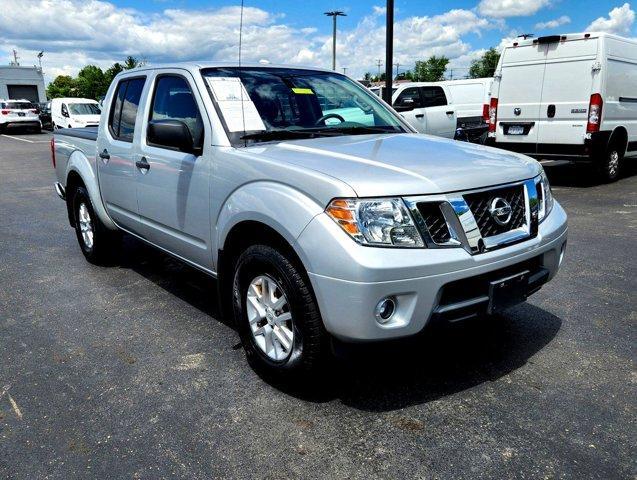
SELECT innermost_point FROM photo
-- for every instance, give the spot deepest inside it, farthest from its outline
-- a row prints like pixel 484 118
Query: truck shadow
pixel 583 176
pixel 443 360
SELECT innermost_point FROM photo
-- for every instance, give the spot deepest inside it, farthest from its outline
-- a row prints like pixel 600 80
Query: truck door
pixel 409 104
pixel 520 95
pixel 173 186
pixel 116 154
pixel 441 116
pixel 568 83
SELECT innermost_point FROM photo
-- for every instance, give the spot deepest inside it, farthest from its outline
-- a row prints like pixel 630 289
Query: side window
pixel 409 98
pixel 124 109
pixel 65 111
pixel 173 100
pixel 433 96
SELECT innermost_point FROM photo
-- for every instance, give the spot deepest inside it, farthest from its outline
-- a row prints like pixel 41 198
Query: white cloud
pixel 620 20
pixel 510 8
pixel 563 20
pixel 100 33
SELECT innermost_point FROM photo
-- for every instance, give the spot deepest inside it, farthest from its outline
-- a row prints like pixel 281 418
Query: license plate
pixel 516 130
pixel 21 114
pixel 509 291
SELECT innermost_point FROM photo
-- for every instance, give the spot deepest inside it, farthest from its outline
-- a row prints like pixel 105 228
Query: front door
pixel 116 154
pixel 173 187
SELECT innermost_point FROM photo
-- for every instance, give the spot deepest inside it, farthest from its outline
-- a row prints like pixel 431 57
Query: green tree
pixel 61 86
pixel 367 77
pixel 110 74
pixel 91 82
pixel 431 70
pixel 485 66
pixel 131 62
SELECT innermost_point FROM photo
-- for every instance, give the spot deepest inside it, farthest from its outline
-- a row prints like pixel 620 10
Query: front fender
pixel 85 168
pixel 281 207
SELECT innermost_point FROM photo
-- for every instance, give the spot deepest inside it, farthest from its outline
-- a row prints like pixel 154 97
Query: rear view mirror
pixel 173 134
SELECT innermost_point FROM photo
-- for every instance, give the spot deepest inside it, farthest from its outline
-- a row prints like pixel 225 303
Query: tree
pixel 431 70
pixel 91 82
pixel 367 77
pixel 406 75
pixel 485 66
pixel 132 62
pixel 61 86
pixel 109 74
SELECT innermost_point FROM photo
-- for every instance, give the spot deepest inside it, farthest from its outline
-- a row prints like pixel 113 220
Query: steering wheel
pixel 327 117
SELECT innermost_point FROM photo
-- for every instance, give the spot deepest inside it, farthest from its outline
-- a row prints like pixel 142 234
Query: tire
pixel 609 166
pixel 96 241
pixel 264 333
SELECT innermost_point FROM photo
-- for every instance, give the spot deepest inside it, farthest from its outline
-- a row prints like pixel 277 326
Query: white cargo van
pixel 75 113
pixel 571 97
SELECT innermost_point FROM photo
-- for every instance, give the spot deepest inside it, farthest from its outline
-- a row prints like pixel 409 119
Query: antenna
pixel 243 116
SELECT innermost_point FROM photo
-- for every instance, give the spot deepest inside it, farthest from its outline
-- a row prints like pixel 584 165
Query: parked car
pixel 316 226
pixel 44 113
pixel 470 98
pixel 568 97
pixel 75 113
pixel 18 114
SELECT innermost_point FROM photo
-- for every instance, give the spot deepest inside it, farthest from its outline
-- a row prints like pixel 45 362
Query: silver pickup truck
pixel 319 210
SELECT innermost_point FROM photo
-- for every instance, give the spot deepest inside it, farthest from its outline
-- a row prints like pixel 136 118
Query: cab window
pixel 173 100
pixel 433 96
pixel 121 123
pixel 409 98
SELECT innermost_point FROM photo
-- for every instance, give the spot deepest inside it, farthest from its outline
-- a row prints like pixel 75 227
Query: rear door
pixel 441 117
pixel 116 154
pixel 520 95
pixel 568 83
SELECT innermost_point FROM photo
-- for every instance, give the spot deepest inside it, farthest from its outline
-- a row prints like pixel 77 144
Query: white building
pixel 18 82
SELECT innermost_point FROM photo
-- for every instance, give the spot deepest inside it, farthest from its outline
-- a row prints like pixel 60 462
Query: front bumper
pixel 349 279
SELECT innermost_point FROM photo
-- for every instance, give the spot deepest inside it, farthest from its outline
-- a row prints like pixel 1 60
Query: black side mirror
pixel 173 134
pixel 65 113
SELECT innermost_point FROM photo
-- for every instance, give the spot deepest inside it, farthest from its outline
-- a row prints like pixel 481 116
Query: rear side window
pixel 433 96
pixel 124 109
pixel 173 100
pixel 409 97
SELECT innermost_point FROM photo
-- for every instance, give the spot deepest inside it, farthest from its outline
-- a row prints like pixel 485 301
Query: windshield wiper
pixel 357 129
pixel 283 134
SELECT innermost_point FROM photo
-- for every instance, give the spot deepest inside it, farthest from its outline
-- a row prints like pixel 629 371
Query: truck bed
pixel 87 133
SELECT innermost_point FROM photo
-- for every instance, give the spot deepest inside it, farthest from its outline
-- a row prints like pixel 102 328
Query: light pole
pixel 334 14
pixel 389 53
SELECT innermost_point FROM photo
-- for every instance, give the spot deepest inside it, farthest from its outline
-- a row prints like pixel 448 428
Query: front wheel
pixel 96 241
pixel 610 165
pixel 277 316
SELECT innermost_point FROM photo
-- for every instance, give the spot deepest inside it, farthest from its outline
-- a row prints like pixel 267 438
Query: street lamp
pixel 389 52
pixel 334 14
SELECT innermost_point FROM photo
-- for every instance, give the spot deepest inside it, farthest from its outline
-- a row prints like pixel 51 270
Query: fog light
pixel 385 309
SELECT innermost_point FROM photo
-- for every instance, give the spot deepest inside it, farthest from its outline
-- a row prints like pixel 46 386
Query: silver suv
pixel 320 211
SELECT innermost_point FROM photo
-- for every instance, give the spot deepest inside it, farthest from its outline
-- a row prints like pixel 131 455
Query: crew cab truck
pixel 568 97
pixel 319 220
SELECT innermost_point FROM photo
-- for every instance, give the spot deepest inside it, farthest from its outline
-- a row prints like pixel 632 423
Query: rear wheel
pixel 277 316
pixel 609 166
pixel 96 241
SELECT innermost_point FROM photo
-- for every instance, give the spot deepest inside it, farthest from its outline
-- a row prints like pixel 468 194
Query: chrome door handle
pixel 450 112
pixel 143 165
pixel 105 156
pixel 420 115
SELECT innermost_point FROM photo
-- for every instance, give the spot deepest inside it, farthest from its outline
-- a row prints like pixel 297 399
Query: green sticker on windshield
pixel 303 91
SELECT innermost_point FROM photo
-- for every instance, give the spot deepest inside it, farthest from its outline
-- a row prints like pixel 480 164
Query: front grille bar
pixel 462 225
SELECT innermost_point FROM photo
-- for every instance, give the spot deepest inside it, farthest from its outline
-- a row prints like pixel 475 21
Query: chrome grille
pixel 480 203
pixel 435 222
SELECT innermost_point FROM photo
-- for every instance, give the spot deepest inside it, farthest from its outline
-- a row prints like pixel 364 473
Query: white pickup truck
pixel 319 209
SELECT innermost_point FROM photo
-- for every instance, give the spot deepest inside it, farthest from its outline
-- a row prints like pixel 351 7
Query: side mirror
pixel 65 112
pixel 173 134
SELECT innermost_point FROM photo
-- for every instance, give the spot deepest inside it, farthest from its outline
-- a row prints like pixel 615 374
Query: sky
pixel 75 33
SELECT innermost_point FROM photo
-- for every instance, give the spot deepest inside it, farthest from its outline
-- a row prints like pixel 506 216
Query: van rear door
pixel 520 95
pixel 568 84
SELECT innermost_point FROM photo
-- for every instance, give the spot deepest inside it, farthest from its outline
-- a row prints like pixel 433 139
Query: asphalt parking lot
pixel 125 372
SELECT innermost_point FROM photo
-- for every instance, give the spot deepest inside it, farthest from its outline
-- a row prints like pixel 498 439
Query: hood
pixel 403 164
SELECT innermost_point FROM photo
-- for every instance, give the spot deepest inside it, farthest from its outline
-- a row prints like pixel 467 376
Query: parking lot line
pixel 18 138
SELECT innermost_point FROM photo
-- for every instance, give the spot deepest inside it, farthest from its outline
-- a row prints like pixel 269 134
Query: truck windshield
pixel 84 108
pixel 266 104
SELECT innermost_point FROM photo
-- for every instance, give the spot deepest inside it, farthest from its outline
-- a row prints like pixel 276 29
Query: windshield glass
pixel 280 103
pixel 84 108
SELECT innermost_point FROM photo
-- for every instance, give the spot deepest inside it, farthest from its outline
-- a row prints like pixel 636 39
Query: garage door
pixel 27 92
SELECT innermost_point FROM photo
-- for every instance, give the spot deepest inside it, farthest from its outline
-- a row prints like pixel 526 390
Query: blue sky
pixel 285 31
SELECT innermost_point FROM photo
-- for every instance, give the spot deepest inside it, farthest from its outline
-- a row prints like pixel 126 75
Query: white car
pixel 568 97
pixel 19 113
pixel 75 113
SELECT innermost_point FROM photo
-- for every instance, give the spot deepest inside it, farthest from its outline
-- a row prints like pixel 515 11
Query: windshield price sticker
pixel 236 106
pixel 303 91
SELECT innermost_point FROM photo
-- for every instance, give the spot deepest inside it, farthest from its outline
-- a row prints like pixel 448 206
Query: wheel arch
pixel 620 134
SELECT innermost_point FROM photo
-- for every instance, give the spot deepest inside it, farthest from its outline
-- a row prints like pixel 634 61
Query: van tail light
pixel 53 151
pixel 594 113
pixel 485 113
pixel 5 112
pixel 493 114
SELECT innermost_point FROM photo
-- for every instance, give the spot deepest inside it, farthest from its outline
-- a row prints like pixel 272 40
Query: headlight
pixel 376 222
pixel 545 197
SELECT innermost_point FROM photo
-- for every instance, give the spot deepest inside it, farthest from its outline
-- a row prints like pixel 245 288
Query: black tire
pixel 609 165
pixel 308 351
pixel 104 241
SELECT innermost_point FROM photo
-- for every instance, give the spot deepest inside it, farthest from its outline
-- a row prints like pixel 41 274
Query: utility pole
pixel 389 50
pixel 379 63
pixel 344 70
pixel 15 58
pixel 334 14
pixel 40 55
